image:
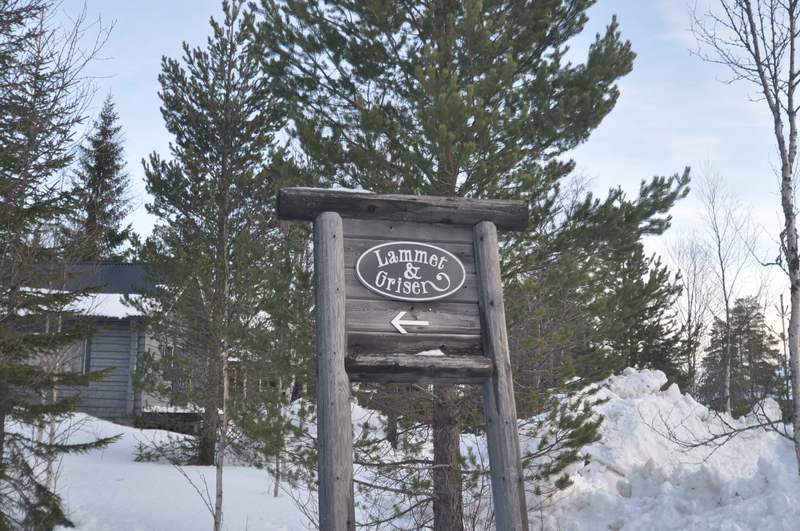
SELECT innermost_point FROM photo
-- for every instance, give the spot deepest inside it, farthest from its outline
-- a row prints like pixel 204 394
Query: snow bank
pixel 638 477
pixel 645 474
pixel 108 491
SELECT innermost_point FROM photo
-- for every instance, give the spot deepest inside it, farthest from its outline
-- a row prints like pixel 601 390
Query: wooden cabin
pixel 118 343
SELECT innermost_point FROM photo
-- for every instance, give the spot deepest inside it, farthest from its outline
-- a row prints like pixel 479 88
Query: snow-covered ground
pixel 108 491
pixel 639 477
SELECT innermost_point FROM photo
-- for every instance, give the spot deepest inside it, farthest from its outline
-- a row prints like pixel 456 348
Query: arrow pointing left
pixel 398 322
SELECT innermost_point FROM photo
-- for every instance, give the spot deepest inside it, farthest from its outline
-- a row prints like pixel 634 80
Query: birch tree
pixel 728 242
pixel 757 40
pixel 690 258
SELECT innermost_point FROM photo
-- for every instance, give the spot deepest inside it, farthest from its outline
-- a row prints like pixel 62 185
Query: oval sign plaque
pixel 410 271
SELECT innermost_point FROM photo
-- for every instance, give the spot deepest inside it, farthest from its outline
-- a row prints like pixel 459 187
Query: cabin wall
pixel 110 348
pixel 143 401
pixel 118 345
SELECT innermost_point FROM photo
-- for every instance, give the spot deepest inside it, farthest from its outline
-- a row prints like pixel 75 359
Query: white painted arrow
pixel 397 322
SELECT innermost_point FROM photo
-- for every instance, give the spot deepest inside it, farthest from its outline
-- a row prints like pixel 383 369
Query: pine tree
pixel 42 99
pixel 102 184
pixel 218 253
pixel 755 361
pixel 629 296
pixel 465 99
pixel 640 328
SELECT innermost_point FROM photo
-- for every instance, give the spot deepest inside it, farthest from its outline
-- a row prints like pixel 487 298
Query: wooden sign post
pixel 408 290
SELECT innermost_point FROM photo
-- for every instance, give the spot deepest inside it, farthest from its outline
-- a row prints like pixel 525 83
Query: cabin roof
pixel 108 277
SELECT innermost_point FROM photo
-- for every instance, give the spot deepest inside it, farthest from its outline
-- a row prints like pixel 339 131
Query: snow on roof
pixel 112 280
pixel 105 305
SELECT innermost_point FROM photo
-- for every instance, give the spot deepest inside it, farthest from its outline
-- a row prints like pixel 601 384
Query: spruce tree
pixel 102 185
pixel 42 99
pixel 218 253
pixel 637 327
pixel 582 303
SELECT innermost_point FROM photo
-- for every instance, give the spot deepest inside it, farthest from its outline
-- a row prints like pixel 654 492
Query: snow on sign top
pixel 410 271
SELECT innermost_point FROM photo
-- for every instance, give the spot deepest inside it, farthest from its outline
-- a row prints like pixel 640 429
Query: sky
pixel 674 109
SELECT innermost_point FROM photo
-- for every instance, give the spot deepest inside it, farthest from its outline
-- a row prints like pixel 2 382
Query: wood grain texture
pixel 395 343
pixel 502 435
pixel 453 322
pixel 441 317
pixel 305 204
pixel 404 230
pixel 403 368
pixel 335 441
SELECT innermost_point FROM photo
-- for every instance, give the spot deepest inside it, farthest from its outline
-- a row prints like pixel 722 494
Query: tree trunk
pixel 787 149
pixel 50 480
pixel 726 391
pixel 276 488
pixel 447 506
pixel 206 444
pixel 223 442
pixel 391 427
pixel 793 261
pixel 2 429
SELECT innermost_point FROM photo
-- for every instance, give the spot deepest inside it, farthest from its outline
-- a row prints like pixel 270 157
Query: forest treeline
pixel 465 99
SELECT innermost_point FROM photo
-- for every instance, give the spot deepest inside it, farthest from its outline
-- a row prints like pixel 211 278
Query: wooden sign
pixel 408 289
pixel 386 330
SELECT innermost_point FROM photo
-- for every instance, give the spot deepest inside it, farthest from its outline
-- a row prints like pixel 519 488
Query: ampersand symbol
pixel 411 272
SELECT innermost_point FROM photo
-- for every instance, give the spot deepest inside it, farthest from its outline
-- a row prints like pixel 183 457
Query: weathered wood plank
pixel 502 435
pixel 394 343
pixel 306 204
pixel 107 344
pixel 399 368
pixel 441 318
pixel 356 290
pixel 335 441
pixel 110 338
pixel 111 399
pixel 98 364
pixel 400 230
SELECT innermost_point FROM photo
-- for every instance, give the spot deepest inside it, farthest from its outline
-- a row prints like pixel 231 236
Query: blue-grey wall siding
pixel 110 349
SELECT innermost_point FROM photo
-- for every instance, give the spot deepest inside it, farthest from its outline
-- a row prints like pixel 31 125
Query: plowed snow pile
pixel 643 476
